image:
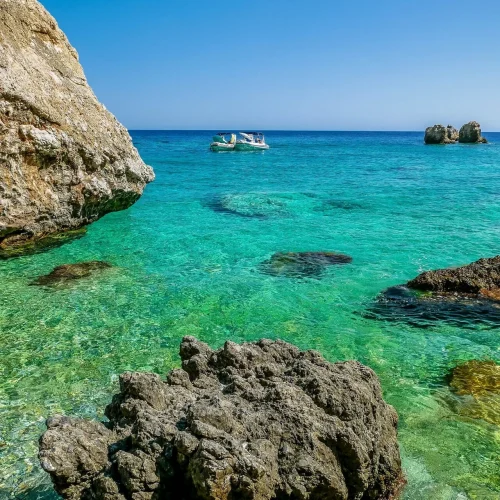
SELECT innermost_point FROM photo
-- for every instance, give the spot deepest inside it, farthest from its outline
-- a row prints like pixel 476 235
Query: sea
pixel 188 260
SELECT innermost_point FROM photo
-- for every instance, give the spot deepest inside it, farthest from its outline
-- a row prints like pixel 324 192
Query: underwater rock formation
pixel 439 134
pixel 70 272
pixel 65 161
pixel 302 264
pixel 479 384
pixel 259 420
pixel 250 205
pixel 471 133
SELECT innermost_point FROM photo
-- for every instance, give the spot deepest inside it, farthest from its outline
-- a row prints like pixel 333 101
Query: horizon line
pixel 285 130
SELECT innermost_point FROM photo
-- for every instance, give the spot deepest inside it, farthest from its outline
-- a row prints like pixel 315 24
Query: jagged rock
pixel 467 296
pixel 471 133
pixel 483 274
pixel 64 160
pixel 302 264
pixel 438 134
pixel 478 385
pixel 70 272
pixel 258 421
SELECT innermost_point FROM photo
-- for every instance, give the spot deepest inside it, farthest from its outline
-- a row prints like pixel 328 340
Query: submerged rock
pixel 65 161
pixel 12 249
pixel 471 133
pixel 478 384
pixel 258 420
pixel 70 272
pixel 250 205
pixel 439 134
pixel 302 264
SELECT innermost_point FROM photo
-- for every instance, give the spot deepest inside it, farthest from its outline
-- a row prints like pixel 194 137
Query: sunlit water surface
pixel 187 259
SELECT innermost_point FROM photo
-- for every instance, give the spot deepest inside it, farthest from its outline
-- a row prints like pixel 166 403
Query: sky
pixel 289 64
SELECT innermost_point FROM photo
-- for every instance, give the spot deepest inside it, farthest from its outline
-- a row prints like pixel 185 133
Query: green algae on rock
pixel 71 272
pixel 478 382
pixel 302 264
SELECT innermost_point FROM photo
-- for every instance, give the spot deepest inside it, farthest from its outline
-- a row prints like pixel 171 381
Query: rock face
pixel 302 264
pixel 71 272
pixel 479 277
pixel 64 160
pixel 439 134
pixel 255 421
pixel 471 133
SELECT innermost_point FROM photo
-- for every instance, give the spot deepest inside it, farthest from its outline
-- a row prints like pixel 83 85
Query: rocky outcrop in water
pixel 466 296
pixel 482 275
pixel 439 134
pixel 64 160
pixel 302 264
pixel 255 421
pixel 471 133
pixel 71 272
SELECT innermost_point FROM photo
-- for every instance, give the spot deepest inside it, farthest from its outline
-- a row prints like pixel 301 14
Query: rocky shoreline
pixel 259 420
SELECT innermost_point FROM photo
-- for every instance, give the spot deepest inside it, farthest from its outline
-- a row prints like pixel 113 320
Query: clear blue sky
pixel 288 64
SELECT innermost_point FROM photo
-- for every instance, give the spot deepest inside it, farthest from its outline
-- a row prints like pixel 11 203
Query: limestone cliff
pixel 65 161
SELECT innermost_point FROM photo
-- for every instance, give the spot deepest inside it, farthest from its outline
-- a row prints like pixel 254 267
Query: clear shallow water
pixel 187 258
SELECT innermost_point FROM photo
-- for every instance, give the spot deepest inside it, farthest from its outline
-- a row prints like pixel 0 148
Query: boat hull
pixel 221 146
pixel 247 146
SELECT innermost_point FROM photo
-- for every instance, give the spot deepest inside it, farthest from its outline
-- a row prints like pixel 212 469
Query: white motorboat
pixel 221 143
pixel 251 141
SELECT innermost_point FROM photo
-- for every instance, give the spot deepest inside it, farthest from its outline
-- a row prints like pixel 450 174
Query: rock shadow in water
pixel 424 309
pixel 71 272
pixel 302 264
pixel 335 205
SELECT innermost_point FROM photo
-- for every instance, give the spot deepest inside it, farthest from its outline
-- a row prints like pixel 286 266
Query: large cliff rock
pixel 64 160
pixel 255 421
pixel 471 133
pixel 439 134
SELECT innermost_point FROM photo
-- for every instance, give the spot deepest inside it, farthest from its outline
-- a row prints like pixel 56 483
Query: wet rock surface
pixel 70 272
pixel 483 274
pixel 471 133
pixel 439 134
pixel 65 161
pixel 477 385
pixel 302 264
pixel 258 420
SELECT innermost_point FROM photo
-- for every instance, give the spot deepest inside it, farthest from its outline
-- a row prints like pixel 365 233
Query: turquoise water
pixel 187 259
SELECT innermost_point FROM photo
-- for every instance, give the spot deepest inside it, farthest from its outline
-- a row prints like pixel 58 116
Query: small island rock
pixel 439 134
pixel 471 133
pixel 259 420
pixel 65 161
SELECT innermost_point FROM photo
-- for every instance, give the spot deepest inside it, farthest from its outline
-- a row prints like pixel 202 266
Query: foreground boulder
pixel 71 272
pixel 64 160
pixel 302 264
pixel 468 296
pixel 254 421
pixel 471 133
pixel 439 134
